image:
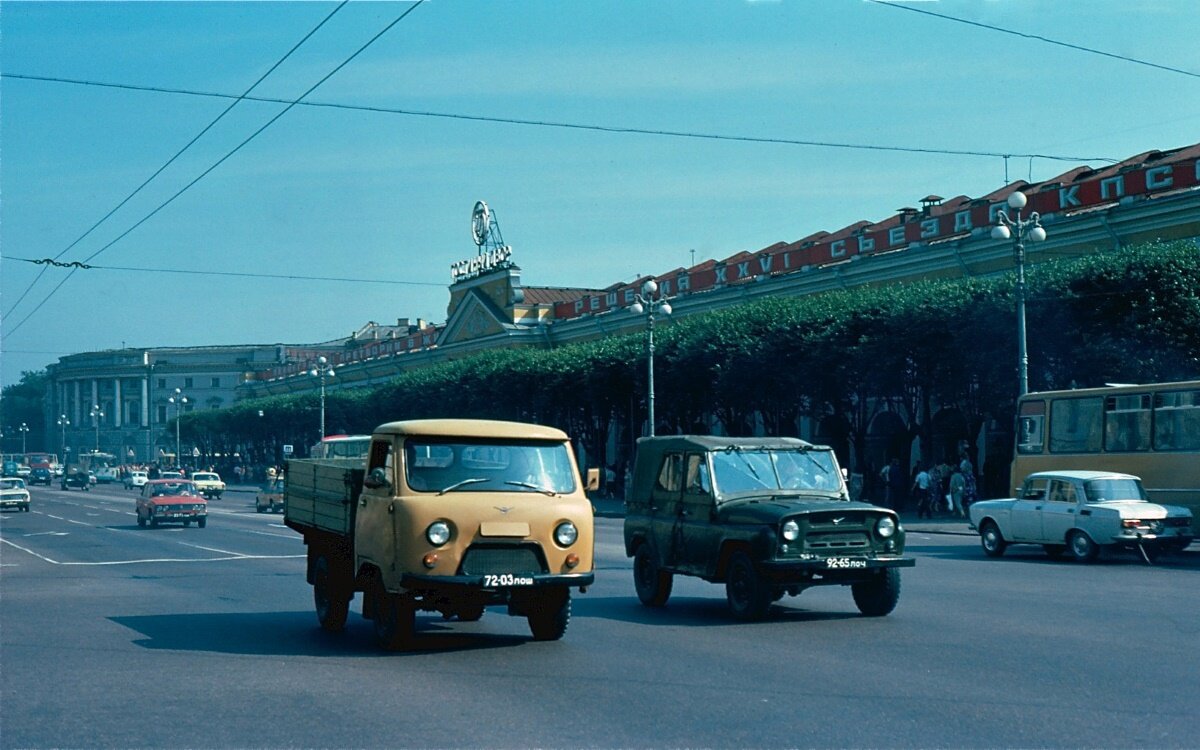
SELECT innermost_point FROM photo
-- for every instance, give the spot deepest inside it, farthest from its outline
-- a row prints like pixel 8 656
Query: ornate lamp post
pixel 24 430
pixel 179 400
pixel 63 422
pixel 1019 230
pixel 97 415
pixel 646 303
pixel 322 370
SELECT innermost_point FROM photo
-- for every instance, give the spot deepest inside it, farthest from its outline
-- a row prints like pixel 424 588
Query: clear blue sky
pixel 376 196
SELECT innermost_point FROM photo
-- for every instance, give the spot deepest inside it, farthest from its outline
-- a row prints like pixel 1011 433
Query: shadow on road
pixel 696 611
pixel 297 634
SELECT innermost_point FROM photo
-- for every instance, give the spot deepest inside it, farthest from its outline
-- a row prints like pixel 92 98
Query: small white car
pixel 135 480
pixel 209 484
pixel 13 494
pixel 1082 512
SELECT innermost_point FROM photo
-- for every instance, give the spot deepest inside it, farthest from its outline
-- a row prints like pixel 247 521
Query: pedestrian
pixel 895 483
pixel 958 484
pixel 968 471
pixel 920 487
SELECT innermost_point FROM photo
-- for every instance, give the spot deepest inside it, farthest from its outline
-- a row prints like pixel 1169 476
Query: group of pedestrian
pixel 934 487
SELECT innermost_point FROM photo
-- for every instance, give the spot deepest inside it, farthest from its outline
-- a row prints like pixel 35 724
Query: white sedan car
pixel 135 480
pixel 13 494
pixel 1083 512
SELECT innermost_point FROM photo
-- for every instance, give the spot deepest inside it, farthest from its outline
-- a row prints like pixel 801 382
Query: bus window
pixel 1032 424
pixel 1127 422
pixel 1177 421
pixel 1075 425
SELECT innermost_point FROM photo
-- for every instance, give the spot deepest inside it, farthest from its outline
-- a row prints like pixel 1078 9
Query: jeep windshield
pixel 782 471
pixel 447 467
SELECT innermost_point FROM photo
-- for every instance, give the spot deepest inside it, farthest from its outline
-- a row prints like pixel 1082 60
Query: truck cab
pixel 448 516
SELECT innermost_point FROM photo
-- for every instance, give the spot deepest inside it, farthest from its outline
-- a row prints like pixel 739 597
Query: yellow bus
pixel 1151 431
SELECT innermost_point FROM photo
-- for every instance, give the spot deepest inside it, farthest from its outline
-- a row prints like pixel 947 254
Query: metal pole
pixel 322 436
pixel 1022 351
pixel 650 366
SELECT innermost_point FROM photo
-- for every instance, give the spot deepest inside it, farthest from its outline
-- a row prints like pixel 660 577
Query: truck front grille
pixel 486 559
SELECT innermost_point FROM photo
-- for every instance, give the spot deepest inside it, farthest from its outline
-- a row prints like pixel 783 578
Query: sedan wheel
pixel 992 540
pixel 1083 548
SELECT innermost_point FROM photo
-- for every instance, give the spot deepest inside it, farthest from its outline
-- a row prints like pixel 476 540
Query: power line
pixel 629 130
pixel 178 153
pixel 47 262
pixel 220 161
pixel 1047 40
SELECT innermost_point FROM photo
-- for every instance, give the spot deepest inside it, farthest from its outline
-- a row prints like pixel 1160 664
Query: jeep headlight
pixel 886 527
pixel 791 530
pixel 438 533
pixel 565 534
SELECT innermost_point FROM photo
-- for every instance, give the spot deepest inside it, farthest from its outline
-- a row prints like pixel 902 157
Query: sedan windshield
pixel 500 466
pixel 173 488
pixel 12 484
pixel 1100 490
pixel 762 469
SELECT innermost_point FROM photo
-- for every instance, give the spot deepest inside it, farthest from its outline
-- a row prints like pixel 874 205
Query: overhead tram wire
pixel 178 153
pixel 220 161
pixel 1036 37
pixel 620 129
pixel 239 274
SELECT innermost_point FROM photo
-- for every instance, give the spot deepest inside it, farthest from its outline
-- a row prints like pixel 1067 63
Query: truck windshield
pixel 755 469
pixel 486 466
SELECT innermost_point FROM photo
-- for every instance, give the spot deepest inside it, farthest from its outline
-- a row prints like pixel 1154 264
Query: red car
pixel 171 501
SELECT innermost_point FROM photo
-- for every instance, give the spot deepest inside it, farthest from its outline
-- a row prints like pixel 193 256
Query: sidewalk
pixel 609 507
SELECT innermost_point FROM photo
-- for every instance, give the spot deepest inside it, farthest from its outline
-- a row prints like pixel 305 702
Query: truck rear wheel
pixel 331 603
pixel 395 621
pixel 549 615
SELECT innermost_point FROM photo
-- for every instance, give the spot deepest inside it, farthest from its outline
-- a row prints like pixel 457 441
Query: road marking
pixel 47 533
pixel 60 518
pixel 81 523
pixel 150 560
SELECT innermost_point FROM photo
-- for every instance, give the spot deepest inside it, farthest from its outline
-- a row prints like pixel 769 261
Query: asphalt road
pixel 115 636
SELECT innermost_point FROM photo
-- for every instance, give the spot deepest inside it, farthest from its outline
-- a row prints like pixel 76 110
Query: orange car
pixel 171 501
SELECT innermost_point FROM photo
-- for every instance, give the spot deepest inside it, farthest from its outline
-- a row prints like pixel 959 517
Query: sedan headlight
pixel 438 533
pixel 565 534
pixel 886 527
pixel 791 530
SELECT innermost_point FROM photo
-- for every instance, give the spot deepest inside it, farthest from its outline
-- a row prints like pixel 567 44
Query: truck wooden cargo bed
pixel 322 494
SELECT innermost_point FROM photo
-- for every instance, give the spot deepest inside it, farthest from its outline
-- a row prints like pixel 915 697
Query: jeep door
pixel 699 537
pixel 664 510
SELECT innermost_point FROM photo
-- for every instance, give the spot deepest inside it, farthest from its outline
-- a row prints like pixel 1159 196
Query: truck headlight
pixel 438 533
pixel 565 534
pixel 886 527
pixel 791 530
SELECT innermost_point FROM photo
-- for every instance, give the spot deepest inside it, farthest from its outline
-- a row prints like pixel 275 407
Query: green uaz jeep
pixel 764 516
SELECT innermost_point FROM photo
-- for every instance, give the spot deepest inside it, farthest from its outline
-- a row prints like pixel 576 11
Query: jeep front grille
pixel 500 559
pixel 817 541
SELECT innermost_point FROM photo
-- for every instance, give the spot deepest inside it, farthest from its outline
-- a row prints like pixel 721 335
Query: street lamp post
pixel 24 430
pixel 1019 230
pixel 179 400
pixel 322 370
pixel 62 423
pixel 645 304
pixel 97 415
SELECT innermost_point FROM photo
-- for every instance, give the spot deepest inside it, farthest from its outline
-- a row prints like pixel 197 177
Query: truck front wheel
pixel 395 621
pixel 331 603
pixel 550 614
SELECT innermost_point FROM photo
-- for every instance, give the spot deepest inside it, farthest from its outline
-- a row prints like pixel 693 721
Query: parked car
pixel 171 501
pixel 1083 512
pixel 77 479
pixel 136 479
pixel 41 475
pixel 13 494
pixel 209 483
pixel 270 497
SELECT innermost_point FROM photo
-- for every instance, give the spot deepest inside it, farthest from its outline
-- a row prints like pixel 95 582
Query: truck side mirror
pixel 593 480
pixel 377 478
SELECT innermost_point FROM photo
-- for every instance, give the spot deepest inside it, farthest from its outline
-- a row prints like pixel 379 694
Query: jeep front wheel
pixel 878 597
pixel 652 583
pixel 748 596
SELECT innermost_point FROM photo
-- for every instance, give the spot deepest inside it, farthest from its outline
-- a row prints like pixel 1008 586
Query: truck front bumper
pixel 497 583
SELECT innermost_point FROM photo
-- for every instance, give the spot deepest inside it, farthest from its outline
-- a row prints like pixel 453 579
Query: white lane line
pixel 59 518
pixel 81 523
pixel 47 533
pixel 151 560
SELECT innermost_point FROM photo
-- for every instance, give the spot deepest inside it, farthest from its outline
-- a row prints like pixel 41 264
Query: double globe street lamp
pixel 179 400
pixel 24 430
pixel 97 414
pixel 1019 230
pixel 646 304
pixel 322 370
